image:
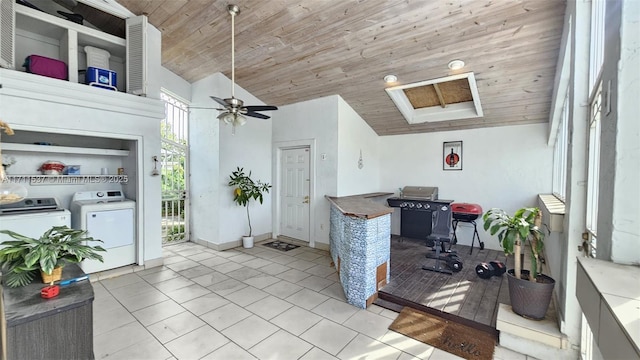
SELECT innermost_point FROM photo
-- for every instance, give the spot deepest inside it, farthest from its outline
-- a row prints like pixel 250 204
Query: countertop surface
pixel 23 304
pixel 618 287
pixel 362 206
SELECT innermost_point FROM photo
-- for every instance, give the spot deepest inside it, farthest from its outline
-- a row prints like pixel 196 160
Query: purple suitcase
pixel 45 66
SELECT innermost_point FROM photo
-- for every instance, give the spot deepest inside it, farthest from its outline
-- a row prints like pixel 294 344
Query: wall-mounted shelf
pixel 68 179
pixel 62 149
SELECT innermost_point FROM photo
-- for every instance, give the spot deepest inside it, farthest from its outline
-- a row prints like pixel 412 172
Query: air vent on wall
pixel 448 98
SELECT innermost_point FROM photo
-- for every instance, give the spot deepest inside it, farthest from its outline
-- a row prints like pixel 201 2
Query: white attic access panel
pixel 7 33
pixel 447 98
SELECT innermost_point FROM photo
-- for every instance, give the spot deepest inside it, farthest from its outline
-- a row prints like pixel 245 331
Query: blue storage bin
pixel 101 78
pixel 72 170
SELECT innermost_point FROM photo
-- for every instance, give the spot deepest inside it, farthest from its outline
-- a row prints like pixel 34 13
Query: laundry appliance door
pixel 115 227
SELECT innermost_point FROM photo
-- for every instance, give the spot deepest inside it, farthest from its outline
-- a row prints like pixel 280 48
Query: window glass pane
pixel 174 125
pixel 560 154
pixel 596 53
pixel 593 171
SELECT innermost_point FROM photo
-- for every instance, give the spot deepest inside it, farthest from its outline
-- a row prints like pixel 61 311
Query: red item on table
pixel 49 292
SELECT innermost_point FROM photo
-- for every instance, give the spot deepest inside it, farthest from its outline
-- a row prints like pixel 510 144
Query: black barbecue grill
pixel 416 204
pixel 466 213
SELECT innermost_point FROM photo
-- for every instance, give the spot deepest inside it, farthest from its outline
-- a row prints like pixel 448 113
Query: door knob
pixel 306 201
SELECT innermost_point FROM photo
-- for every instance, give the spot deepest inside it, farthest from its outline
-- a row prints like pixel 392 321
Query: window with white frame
pixel 596 60
pixel 560 153
pixel 174 170
pixel 593 169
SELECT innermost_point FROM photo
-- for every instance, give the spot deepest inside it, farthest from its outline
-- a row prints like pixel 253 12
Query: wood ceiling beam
pixel 440 97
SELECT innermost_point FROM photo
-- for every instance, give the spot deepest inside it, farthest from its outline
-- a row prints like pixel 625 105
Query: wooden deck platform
pixel 461 297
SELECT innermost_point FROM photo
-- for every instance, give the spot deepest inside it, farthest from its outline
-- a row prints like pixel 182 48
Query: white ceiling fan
pixel 234 111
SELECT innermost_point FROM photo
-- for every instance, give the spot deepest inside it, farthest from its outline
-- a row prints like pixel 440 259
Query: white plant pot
pixel 247 242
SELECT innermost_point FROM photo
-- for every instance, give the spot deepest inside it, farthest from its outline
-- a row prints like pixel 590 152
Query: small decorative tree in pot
pixel 23 257
pixel 244 190
pixel 529 290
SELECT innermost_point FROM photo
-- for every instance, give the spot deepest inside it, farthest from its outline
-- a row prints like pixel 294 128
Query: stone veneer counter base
pixel 360 237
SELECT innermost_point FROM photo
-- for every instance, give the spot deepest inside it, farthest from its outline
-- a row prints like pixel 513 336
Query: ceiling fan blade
pixel 261 108
pixel 256 115
pixel 219 101
pixel 207 108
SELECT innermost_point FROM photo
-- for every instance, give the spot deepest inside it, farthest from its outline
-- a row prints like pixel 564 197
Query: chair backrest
pixel 441 220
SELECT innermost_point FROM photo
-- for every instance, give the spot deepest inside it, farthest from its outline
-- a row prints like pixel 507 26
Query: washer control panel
pixel 106 195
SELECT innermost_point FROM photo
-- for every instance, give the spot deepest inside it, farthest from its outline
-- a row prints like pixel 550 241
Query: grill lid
pixel 420 192
pixel 466 208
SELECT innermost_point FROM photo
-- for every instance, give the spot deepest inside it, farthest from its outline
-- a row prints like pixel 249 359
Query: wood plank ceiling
pixel 290 51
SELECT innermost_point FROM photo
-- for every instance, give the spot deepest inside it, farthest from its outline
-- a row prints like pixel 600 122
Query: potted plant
pixel 529 290
pixel 23 257
pixel 244 190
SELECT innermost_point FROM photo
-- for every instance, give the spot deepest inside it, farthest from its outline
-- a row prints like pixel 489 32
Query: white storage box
pixel 97 58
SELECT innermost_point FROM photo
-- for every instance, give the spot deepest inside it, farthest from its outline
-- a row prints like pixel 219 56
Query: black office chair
pixel 440 235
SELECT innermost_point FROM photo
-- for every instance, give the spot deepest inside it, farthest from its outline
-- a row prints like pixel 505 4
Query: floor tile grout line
pixel 329 297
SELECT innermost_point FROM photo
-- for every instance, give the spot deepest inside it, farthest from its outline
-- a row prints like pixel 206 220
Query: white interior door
pixel 294 193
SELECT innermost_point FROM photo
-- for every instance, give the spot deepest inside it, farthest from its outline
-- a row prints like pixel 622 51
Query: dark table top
pixel 24 304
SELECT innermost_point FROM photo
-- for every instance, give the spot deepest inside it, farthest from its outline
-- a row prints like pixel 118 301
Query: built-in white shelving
pixel 63 149
pixel 48 25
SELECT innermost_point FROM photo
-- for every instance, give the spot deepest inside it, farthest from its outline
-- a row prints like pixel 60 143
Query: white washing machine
pixel 110 217
pixel 32 217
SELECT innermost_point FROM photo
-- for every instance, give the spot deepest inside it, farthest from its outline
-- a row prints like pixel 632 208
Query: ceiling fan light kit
pixel 234 111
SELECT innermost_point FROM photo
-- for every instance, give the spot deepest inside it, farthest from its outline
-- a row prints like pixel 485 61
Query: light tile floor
pixel 253 303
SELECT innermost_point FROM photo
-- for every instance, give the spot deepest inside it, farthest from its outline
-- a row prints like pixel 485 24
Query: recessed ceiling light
pixel 456 64
pixel 390 79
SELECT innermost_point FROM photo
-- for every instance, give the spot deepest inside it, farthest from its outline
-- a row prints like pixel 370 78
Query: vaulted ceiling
pixel 290 51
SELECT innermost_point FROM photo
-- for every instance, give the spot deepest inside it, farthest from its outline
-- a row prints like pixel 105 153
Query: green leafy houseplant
pixel 514 231
pixel 21 258
pixel 246 189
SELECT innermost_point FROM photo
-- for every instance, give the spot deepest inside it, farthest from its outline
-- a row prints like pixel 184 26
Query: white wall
pixel 503 167
pixel 315 120
pixel 176 85
pixel 214 154
pixel 204 163
pixel 68 110
pixel 356 136
pixel 250 149
pixel 619 192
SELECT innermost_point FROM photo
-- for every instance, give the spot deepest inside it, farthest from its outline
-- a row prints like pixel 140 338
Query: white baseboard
pixel 231 244
pixel 128 269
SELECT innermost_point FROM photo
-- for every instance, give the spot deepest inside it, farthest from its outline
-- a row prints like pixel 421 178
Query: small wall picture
pixel 452 155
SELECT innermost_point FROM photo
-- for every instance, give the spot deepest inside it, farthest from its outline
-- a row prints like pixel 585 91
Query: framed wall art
pixel 452 155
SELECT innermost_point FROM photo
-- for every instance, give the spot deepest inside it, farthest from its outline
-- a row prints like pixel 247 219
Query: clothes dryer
pixel 110 217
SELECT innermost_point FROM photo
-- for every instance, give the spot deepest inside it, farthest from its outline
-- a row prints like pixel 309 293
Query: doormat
pixel 281 245
pixel 446 335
